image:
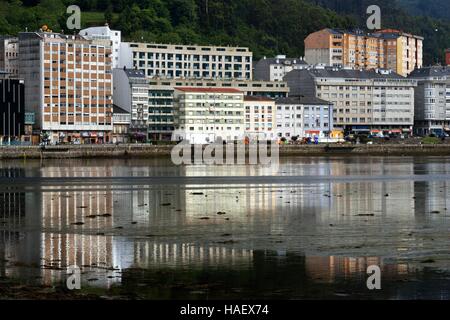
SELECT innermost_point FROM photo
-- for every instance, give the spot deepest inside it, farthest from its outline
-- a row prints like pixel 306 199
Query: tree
pixel 109 14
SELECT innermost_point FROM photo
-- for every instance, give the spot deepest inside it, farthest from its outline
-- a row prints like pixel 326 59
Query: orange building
pixel 385 49
pixel 447 57
pixel 68 82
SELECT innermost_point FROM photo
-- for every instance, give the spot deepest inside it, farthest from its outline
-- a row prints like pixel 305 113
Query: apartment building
pixel 131 93
pixel 105 33
pixel 9 51
pixel 274 69
pixel 432 100
pixel 68 85
pixel 303 117
pixel 161 123
pixel 205 115
pixel 363 101
pixel 187 61
pixel 259 118
pixel 12 110
pixel 384 49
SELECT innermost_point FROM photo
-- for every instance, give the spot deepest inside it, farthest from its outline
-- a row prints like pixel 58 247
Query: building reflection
pixel 41 227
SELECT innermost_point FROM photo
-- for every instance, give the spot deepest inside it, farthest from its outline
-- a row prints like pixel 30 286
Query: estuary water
pixel 147 229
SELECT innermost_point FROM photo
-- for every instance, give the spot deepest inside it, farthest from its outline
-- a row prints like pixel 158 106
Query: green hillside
pixel 433 8
pixel 268 27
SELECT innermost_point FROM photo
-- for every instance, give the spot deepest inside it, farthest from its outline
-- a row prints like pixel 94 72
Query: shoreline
pixel 128 151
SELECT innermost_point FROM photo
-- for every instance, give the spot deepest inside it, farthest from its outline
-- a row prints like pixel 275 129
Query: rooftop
pixel 133 73
pixel 433 71
pixel 117 109
pixel 309 100
pixel 348 73
pixel 384 34
pixel 282 60
pixel 257 98
pixel 207 90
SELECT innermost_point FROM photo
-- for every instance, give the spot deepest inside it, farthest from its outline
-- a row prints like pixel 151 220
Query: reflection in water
pixel 305 237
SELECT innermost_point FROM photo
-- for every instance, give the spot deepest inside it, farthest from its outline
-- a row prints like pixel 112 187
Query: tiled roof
pixel 257 98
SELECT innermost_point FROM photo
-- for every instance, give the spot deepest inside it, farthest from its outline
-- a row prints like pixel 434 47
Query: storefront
pixel 83 137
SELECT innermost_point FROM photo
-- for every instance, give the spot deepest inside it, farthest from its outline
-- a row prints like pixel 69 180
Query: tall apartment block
pixel 385 49
pixel 9 51
pixel 363 101
pixel 68 85
pixel 203 115
pixel 274 69
pixel 432 100
pixel 185 61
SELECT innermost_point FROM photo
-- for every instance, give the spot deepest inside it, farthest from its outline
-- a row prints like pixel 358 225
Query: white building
pixel 274 69
pixel 432 100
pixel 131 94
pixel 9 56
pixel 303 117
pixel 105 33
pixel 188 61
pixel 363 100
pixel 259 118
pixel 203 115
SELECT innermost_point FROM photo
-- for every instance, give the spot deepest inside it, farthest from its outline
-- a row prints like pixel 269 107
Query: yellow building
pixel 385 49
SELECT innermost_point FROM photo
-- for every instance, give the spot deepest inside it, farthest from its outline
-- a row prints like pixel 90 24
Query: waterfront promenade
pixel 146 150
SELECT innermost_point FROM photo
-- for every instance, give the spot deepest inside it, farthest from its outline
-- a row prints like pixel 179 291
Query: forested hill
pixel 268 27
pixel 432 8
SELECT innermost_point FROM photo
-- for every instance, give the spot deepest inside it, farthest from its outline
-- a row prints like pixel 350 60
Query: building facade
pixel 69 85
pixel 206 115
pixel 121 126
pixel 131 93
pixel 363 101
pixel 186 61
pixel 105 33
pixel 432 100
pixel 447 57
pixel 9 56
pixel 259 118
pixel 12 110
pixel 161 122
pixel 384 49
pixel 303 117
pixel 274 69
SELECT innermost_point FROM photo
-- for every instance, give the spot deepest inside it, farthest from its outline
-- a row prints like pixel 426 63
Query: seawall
pixel 144 151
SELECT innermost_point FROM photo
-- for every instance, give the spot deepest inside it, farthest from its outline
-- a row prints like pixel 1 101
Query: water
pixel 148 229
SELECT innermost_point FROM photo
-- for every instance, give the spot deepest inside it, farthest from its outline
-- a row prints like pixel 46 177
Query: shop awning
pixel 312 132
pixel 396 131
